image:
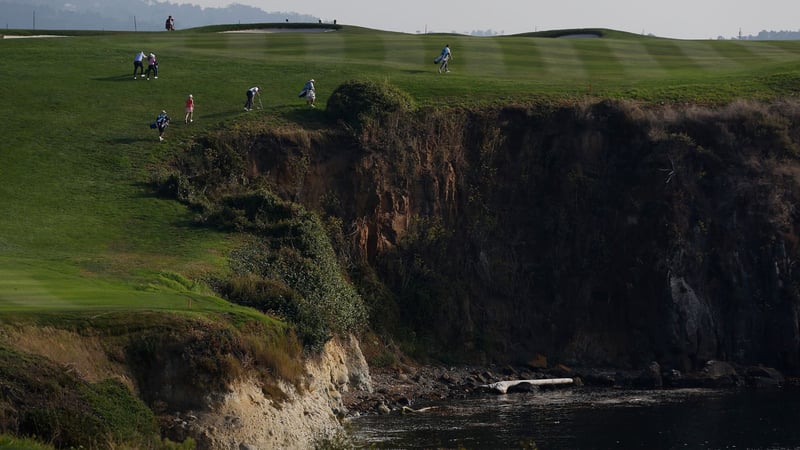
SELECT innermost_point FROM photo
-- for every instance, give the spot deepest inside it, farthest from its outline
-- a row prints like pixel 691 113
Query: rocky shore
pixel 398 388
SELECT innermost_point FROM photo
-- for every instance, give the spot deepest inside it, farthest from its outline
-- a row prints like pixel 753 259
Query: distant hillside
pixel 133 15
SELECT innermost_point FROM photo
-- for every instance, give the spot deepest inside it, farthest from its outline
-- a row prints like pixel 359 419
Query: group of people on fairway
pixel 308 91
pixel 152 65
pixel 162 120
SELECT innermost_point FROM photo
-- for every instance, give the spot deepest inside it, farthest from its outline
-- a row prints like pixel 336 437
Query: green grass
pixel 80 227
pixel 12 443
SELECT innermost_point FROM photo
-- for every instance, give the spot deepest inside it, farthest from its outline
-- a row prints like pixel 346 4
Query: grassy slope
pixel 79 229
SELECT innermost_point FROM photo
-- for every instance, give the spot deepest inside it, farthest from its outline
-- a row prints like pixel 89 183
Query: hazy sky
pixel 682 19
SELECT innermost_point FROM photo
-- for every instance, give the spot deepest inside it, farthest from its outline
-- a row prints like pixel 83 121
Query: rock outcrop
pixel 245 418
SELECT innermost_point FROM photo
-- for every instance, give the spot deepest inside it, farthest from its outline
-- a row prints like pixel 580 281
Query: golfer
pixel 252 92
pixel 152 66
pixel 138 64
pixel 162 121
pixel 445 58
pixel 189 109
pixel 309 92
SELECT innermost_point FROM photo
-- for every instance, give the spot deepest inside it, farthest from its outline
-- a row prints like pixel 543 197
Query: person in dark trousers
pixel 251 93
pixel 152 66
pixel 138 63
pixel 162 122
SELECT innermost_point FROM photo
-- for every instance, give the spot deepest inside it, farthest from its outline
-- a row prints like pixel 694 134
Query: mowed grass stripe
pixel 635 60
pixel 561 59
pixel 710 57
pixel 475 55
pixel 778 51
pixel 335 46
pixel 522 57
pixel 599 60
pixel 745 55
pixel 407 52
pixel 790 47
pixel 670 56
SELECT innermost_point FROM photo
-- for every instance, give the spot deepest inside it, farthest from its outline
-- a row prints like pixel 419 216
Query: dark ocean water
pixel 587 418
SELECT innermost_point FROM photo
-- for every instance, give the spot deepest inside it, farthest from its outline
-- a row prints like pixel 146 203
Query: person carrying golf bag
pixel 251 93
pixel 444 59
pixel 161 122
pixel 309 92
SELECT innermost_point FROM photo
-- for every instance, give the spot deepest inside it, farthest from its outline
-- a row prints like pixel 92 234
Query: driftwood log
pixel 501 387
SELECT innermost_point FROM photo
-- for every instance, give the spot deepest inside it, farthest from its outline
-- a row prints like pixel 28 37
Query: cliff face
pixel 244 418
pixel 604 233
pixel 77 389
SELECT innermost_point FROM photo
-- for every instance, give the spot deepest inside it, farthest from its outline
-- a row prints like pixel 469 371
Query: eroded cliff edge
pixel 141 387
pixel 603 233
pixel 244 418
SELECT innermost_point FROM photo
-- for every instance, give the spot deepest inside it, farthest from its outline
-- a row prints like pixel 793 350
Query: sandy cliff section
pixel 246 419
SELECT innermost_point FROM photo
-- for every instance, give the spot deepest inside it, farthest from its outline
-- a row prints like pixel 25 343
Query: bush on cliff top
pixel 356 102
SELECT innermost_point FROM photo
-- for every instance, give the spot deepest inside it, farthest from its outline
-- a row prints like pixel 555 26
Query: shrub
pixel 291 269
pixel 266 295
pixel 357 102
pixel 123 413
pixel 41 399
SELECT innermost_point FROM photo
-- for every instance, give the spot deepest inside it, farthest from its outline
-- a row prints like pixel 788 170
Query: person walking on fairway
pixel 152 66
pixel 309 92
pixel 251 93
pixel 189 109
pixel 138 64
pixel 445 57
pixel 162 121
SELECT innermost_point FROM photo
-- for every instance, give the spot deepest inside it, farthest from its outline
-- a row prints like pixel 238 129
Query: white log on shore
pixel 503 386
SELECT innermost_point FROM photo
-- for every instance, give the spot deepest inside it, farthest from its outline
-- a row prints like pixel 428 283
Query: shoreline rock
pixel 398 389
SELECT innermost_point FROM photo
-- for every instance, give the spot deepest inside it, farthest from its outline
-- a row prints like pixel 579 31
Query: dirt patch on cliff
pixel 86 356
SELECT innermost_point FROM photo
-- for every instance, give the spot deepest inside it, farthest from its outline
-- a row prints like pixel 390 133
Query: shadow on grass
pixel 128 77
pixel 312 117
pixel 145 137
pixel 220 115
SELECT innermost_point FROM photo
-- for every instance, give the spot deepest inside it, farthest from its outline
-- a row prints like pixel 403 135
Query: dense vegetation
pixel 94 243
